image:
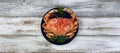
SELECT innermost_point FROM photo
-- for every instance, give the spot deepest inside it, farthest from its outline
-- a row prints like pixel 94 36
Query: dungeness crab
pixel 60 23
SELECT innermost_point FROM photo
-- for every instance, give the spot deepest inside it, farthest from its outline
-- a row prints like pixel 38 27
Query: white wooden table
pixel 99 30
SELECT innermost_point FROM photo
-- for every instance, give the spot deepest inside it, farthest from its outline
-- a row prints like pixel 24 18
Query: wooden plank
pixel 88 44
pixel 26 25
pixel 87 26
pixel 85 8
pixel 11 1
pixel 7 5
pixel 20 44
pixel 99 27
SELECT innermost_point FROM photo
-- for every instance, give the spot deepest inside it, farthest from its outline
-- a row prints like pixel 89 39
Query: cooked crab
pixel 59 26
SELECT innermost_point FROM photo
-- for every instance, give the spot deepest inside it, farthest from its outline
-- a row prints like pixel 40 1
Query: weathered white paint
pixel 93 44
pixel 83 8
pixel 79 44
pixel 99 27
pixel 87 26
pixel 23 34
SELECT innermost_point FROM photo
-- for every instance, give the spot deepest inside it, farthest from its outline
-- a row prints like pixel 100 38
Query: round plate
pixel 58 40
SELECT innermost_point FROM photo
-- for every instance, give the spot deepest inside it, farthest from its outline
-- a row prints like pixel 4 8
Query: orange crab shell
pixel 60 25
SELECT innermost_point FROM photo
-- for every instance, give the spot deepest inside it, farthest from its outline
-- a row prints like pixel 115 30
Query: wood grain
pixel 87 26
pixel 23 35
pixel 99 26
pixel 91 8
pixel 88 44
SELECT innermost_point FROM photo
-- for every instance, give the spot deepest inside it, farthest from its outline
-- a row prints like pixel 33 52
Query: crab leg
pixel 71 12
pixel 44 26
pixel 75 26
pixel 46 18
pixel 52 11
pixel 68 10
pixel 49 35
pixel 70 34
pixel 55 10
pixel 75 22
pixel 65 9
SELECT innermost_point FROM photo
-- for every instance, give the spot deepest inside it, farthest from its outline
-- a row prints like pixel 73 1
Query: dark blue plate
pixel 58 40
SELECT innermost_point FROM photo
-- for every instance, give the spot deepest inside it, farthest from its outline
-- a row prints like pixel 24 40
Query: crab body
pixel 59 26
pixel 63 24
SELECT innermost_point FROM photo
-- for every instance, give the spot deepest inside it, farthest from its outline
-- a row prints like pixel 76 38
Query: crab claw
pixel 71 13
pixel 53 10
pixel 46 18
pixel 50 15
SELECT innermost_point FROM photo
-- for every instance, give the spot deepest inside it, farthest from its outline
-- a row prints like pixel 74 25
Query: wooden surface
pixel 99 30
